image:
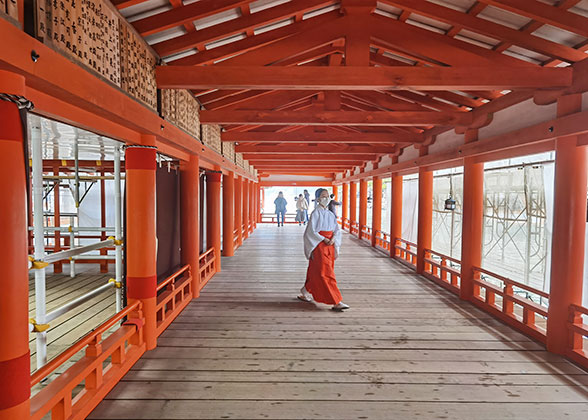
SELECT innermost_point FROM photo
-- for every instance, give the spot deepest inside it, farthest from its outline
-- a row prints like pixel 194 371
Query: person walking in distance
pixel 301 209
pixel 280 203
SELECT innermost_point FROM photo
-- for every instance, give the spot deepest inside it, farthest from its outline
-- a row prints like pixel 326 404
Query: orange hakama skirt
pixel 320 276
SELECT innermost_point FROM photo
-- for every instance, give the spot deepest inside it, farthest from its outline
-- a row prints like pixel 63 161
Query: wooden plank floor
pixel 70 327
pixel 407 349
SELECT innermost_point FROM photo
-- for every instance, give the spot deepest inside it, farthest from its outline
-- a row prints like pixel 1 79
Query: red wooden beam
pixel 545 13
pixel 255 41
pixel 491 29
pixel 290 157
pixel 306 137
pixel 321 118
pixel 226 29
pixel 306 149
pixel 362 78
pixel 181 15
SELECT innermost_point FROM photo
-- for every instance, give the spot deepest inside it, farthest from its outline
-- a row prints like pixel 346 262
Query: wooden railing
pixel 511 301
pixel 382 240
pixel 175 297
pixel 354 230
pixel 442 269
pixel 273 218
pixel 405 252
pixel 578 344
pixel 207 267
pixel 366 233
pixel 104 363
pixel 345 223
pixel 235 238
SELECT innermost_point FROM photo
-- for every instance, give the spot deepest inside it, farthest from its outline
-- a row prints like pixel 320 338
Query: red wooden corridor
pixel 143 142
pixel 248 349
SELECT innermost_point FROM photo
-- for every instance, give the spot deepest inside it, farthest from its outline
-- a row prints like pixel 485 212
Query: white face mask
pixel 324 201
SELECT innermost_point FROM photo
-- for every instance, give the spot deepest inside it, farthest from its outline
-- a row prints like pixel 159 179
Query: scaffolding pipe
pixel 76 173
pixel 64 255
pixel 93 257
pixel 50 229
pixel 51 316
pixel 38 239
pixel 118 227
pixel 72 264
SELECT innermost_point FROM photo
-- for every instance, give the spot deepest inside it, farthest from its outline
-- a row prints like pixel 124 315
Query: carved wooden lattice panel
pixel 212 137
pixel 86 30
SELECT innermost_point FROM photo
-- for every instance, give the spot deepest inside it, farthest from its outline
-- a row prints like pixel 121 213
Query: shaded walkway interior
pixel 247 349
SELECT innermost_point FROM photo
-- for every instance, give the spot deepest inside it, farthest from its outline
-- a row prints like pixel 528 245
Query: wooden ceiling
pixel 322 86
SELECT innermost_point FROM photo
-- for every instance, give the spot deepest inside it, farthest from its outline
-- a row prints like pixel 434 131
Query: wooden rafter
pixel 363 78
pixel 314 137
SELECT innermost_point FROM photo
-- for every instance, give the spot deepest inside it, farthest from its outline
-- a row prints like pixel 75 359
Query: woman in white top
pixel 322 240
pixel 301 207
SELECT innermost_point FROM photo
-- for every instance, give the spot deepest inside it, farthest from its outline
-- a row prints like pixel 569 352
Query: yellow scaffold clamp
pixel 38 327
pixel 36 264
pixel 117 284
pixel 116 241
pixel 70 228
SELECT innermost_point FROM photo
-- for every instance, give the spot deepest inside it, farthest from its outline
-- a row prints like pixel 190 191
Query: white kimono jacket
pixel 321 219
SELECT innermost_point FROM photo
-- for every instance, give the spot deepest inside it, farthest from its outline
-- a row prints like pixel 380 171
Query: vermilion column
pixel 213 211
pixel 362 206
pixel 228 214
pixel 569 225
pixel 472 220
pixel 252 188
pixel 395 212
pixel 376 208
pixel 425 222
pixel 352 203
pixel 14 335
pixel 239 209
pixel 190 211
pixel 336 192
pixel 141 242
pixel 345 203
pixel 245 208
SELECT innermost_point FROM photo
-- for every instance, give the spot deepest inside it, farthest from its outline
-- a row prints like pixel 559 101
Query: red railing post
pixel 569 226
pixel 245 208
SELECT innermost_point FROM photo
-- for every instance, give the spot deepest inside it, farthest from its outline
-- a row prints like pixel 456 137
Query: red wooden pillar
pixel 213 229
pixel 252 188
pixel 395 212
pixel 376 208
pixel 141 249
pixel 336 193
pixel 14 336
pixel 569 225
pixel 352 204
pixel 362 206
pixel 345 203
pixel 190 215
pixel 239 209
pixel 425 222
pixel 472 221
pixel 245 208
pixel 228 214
